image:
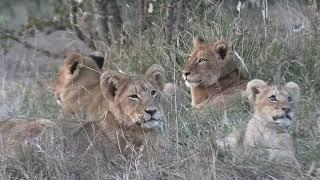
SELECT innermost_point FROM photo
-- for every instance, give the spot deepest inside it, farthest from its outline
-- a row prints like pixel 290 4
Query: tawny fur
pixel 78 83
pixel 212 75
pixel 268 129
pixel 75 91
pixel 122 121
pixel 17 132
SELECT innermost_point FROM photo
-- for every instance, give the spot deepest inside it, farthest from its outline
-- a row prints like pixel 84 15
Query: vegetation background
pixel 274 40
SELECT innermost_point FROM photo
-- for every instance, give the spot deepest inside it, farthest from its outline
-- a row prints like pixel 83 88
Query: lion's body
pixel 277 142
pixel 16 133
pixel 212 75
pixel 115 126
pixel 220 95
pixel 267 132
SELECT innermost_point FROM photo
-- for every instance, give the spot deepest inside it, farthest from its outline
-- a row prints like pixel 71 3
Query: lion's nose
pixel 186 73
pixel 287 110
pixel 151 111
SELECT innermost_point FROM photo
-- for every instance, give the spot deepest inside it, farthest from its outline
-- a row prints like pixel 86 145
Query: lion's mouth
pixel 192 83
pixel 148 121
pixel 276 118
pixel 58 99
pixel 152 124
pixel 193 80
pixel 284 121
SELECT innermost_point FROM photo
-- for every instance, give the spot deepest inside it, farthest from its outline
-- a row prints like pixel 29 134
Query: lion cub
pixel 267 130
pixel 212 75
pixel 171 93
pixel 128 117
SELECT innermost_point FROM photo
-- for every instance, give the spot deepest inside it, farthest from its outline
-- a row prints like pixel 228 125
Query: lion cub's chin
pixel 147 122
pixel 154 124
pixel 192 84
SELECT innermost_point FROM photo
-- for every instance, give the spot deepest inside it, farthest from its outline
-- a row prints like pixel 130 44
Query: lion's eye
pixel 134 96
pixel 289 99
pixel 153 93
pixel 202 60
pixel 273 98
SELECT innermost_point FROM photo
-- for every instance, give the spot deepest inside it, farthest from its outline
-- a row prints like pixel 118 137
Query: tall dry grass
pixel 189 150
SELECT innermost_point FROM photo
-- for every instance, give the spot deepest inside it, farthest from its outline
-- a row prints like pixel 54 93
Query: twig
pixel 75 25
pixel 28 45
pixel 242 62
pixel 170 19
pixel 265 17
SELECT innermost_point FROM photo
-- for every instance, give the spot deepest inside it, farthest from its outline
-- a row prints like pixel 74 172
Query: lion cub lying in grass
pixel 212 75
pixel 125 114
pixel 267 130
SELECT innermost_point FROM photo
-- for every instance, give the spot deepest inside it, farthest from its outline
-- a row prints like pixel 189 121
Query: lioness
pixel 212 74
pixel 267 130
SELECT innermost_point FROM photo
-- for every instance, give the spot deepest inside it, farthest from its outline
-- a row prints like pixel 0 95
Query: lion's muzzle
pixel 155 121
pixel 284 121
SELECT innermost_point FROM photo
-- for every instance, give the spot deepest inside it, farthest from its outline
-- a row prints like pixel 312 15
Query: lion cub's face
pixel 207 63
pixel 275 102
pixel 78 71
pixel 132 100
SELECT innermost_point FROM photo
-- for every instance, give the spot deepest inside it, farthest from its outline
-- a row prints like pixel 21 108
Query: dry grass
pixel 189 151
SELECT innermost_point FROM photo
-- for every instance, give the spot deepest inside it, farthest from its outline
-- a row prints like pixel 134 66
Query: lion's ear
pixel 98 58
pixel 197 41
pixel 156 76
pixel 73 62
pixel 67 52
pixel 254 88
pixel 221 49
pixel 293 89
pixel 109 83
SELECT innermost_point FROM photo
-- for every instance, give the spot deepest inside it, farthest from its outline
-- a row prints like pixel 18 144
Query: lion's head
pixel 274 101
pixel 156 76
pixel 75 78
pixel 133 100
pixel 208 62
